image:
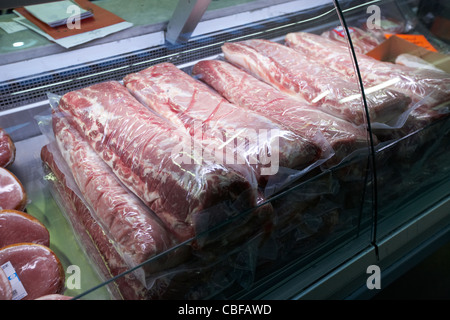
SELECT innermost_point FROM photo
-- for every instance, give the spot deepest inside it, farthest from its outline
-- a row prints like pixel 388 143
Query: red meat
pixel 187 102
pixel 140 147
pixel 296 74
pixel 301 117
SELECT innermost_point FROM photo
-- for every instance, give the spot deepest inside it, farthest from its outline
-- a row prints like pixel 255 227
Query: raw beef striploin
pixel 37 267
pixel 296 74
pixel 188 103
pixel 363 40
pixel 12 192
pixel 250 93
pixel 17 226
pixel 142 150
pixel 429 90
pixel 98 245
pixel 131 226
pixel 7 149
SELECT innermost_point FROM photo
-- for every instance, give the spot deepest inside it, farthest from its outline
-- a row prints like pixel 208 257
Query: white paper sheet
pixel 78 39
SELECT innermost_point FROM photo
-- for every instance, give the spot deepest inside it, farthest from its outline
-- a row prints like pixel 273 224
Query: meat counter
pixel 338 162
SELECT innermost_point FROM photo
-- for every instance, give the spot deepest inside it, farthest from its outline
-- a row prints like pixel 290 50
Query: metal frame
pixel 185 18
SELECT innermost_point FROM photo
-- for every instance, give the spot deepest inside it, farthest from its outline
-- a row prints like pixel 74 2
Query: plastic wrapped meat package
pixel 190 279
pixel 135 163
pixel 428 90
pixel 261 146
pixel 411 155
pixel 7 149
pixel 143 150
pixel 122 222
pixel 412 135
pixel 127 231
pixel 334 135
pixel 363 40
pixel 304 78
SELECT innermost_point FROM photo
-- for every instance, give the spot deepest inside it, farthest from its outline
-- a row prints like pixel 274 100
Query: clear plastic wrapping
pixel 37 267
pixel 181 152
pixel 87 179
pixel 304 78
pixel 429 91
pixel 200 275
pixel 240 138
pixel 143 151
pixel 7 149
pixel 336 137
pixel 120 231
pixel 129 224
pixel 93 239
pixel 363 40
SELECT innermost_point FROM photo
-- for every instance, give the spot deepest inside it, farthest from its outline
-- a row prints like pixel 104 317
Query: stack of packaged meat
pixel 29 268
pixel 169 174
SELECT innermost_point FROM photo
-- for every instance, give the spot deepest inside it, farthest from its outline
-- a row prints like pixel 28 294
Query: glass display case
pixel 231 149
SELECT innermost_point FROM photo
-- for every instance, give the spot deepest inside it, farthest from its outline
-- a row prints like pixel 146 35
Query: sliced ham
pixel 142 149
pixel 187 102
pixel 301 117
pixel 17 226
pixel 363 40
pixel 37 267
pixel 7 149
pixel 296 74
pixel 137 232
pixel 12 193
pixel 429 90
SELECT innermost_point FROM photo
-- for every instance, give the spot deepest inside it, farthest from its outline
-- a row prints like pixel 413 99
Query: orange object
pixel 417 39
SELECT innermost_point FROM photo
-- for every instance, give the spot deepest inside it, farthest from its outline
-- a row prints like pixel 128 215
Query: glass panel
pixel 398 54
pixel 318 199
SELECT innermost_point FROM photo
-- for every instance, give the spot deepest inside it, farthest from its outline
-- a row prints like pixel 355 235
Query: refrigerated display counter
pixel 322 128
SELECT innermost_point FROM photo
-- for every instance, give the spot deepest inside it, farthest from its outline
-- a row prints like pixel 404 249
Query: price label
pixel 19 291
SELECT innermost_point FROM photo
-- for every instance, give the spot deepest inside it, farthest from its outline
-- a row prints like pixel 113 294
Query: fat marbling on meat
pixel 187 102
pixel 296 74
pixel 301 117
pixel 141 148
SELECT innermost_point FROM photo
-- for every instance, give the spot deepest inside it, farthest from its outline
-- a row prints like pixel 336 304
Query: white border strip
pixel 79 56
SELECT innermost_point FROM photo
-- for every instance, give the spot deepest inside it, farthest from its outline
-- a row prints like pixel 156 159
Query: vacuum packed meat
pixel 188 103
pixel 141 149
pixel 90 233
pixel 295 73
pixel 130 225
pixel 429 90
pixel 299 116
pixel 12 193
pixel 7 149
